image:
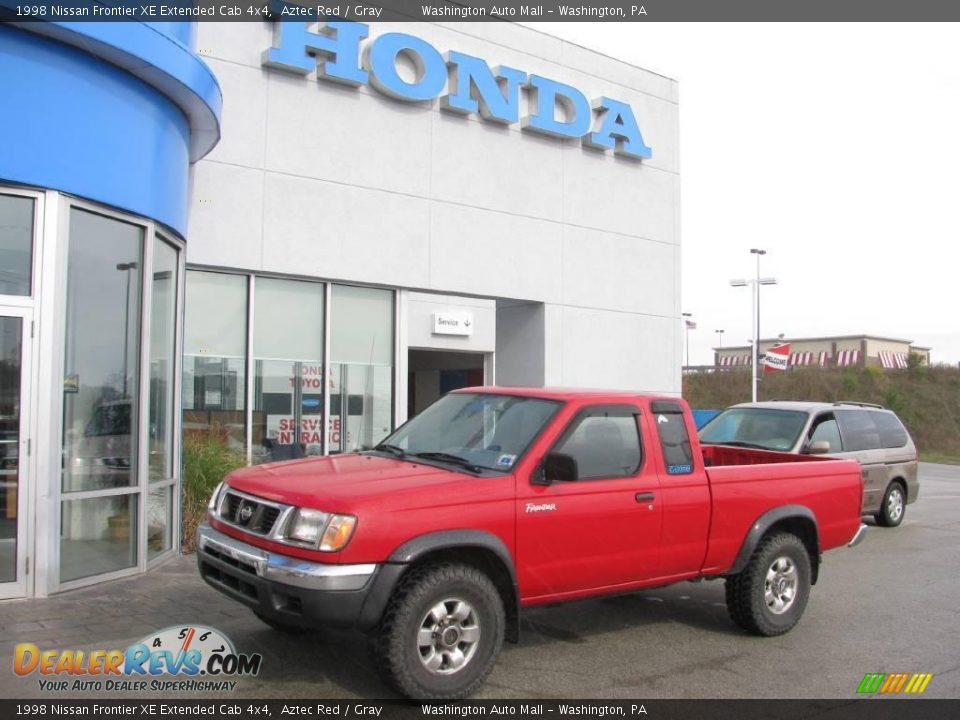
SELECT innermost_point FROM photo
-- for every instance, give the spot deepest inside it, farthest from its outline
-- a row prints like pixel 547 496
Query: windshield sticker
pixel 506 460
pixel 678 469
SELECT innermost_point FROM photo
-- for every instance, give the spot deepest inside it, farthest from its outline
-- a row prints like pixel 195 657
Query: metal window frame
pixel 152 233
pixel 28 308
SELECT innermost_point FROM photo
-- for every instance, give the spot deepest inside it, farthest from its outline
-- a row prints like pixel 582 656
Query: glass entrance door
pixel 14 449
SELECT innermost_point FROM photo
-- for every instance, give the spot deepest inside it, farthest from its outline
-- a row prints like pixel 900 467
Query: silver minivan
pixel 868 433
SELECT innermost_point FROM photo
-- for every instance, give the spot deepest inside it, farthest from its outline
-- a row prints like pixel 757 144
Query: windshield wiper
pixel 392 449
pixel 447 457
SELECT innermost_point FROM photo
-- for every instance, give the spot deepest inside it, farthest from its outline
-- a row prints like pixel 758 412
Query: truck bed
pixel 719 455
pixel 745 482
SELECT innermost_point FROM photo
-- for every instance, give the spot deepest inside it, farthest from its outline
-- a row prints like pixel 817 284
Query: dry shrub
pixel 206 461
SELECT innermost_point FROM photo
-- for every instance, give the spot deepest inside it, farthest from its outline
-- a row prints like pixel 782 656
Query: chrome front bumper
pixel 282 568
pixel 861 531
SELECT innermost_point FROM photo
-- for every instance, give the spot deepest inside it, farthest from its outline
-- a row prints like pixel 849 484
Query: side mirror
pixel 820 447
pixel 559 467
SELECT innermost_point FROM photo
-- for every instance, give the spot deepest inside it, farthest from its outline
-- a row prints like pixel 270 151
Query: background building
pixel 354 249
pixel 837 351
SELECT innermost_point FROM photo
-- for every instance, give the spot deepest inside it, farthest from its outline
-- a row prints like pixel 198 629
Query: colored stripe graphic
pixel 894 683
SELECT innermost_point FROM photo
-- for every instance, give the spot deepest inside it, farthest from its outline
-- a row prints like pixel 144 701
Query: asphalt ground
pixel 888 605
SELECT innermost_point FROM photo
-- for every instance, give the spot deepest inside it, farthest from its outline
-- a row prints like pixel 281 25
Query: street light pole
pixel 126 268
pixel 686 327
pixel 755 318
pixel 720 333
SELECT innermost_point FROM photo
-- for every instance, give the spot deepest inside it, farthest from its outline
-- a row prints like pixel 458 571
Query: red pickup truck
pixel 495 499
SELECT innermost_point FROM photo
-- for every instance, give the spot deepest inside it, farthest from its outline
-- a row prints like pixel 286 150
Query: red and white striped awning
pixel 848 357
pixel 800 359
pixel 824 358
pixel 735 360
pixel 892 360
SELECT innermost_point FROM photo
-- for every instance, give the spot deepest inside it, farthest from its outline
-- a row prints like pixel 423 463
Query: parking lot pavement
pixel 888 605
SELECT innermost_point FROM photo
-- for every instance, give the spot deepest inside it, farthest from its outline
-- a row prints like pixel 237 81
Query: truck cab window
pixel 604 446
pixel 677 453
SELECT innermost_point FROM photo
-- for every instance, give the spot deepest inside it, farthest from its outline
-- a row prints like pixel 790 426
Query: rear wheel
pixel 894 506
pixel 769 596
pixel 441 632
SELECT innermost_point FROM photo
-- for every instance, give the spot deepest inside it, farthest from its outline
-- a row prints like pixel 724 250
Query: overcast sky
pixel 836 148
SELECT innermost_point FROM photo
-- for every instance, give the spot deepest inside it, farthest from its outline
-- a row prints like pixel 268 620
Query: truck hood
pixel 341 483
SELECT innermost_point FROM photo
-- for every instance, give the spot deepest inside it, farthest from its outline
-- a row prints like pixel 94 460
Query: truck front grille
pixel 249 513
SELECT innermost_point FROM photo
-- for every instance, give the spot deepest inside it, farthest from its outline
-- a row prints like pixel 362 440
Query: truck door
pixel 600 528
pixel 684 491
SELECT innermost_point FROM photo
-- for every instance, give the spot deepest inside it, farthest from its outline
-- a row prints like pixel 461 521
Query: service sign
pixel 341 52
pixel 453 323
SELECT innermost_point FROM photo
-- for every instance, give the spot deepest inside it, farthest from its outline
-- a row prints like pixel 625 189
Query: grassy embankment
pixel 926 399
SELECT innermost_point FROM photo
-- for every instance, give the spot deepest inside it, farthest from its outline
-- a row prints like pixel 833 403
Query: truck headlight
pixel 212 504
pixel 307 526
pixel 320 530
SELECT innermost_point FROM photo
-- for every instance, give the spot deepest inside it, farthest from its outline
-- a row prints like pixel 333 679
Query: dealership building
pixel 288 238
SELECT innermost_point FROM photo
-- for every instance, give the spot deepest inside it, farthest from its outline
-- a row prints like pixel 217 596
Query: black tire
pixel 893 507
pixel 283 627
pixel 400 659
pixel 784 557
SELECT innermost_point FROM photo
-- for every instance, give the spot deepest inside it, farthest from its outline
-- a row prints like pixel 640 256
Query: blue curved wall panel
pixel 117 122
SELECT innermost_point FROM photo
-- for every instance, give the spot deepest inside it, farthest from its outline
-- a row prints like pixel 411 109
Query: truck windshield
pixel 474 430
pixel 755 427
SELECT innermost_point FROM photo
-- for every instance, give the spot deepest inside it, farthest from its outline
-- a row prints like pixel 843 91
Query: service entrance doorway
pixel 15 326
pixel 432 373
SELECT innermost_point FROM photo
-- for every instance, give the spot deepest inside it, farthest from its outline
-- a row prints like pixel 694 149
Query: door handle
pixel 644 497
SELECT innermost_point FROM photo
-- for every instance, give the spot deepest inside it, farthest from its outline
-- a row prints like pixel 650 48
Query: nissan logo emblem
pixel 244 513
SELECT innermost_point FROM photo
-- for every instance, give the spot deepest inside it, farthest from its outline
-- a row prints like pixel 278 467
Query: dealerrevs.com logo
pixel 177 659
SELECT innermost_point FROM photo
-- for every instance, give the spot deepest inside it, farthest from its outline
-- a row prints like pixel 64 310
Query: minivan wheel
pixel 769 596
pixel 894 506
pixel 441 632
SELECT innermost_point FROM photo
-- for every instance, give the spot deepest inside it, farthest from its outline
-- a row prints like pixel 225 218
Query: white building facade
pixel 392 211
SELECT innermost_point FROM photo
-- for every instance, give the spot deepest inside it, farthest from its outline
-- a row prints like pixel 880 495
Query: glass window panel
pixel 361 325
pixel 101 353
pixel 163 323
pixel 159 521
pixel 604 446
pixel 288 320
pixel 214 373
pixel 217 314
pixel 675 443
pixel 97 535
pixel 16 244
pixel 289 370
pixel 361 406
pixel 361 380
pixel 11 338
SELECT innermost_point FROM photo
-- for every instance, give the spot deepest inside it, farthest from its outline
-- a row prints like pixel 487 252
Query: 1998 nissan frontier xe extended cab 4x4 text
pixel 495 499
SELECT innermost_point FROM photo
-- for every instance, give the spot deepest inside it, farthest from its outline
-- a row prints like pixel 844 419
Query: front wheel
pixel 894 506
pixel 770 594
pixel 441 632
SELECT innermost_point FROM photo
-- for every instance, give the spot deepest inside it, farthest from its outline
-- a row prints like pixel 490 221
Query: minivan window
pixel 892 432
pixel 762 428
pixel 859 430
pixel 825 428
